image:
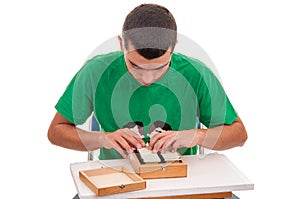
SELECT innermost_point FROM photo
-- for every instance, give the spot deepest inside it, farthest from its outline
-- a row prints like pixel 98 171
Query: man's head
pixel 151 29
pixel 149 37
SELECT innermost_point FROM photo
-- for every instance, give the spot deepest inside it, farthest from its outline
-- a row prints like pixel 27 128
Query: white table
pixel 213 173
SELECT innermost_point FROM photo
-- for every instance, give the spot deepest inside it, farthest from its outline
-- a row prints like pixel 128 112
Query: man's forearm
pixel 68 136
pixel 223 137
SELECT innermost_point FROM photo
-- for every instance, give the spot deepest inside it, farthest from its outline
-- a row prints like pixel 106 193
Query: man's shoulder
pixel 95 67
pixel 101 62
pixel 188 64
pixel 107 58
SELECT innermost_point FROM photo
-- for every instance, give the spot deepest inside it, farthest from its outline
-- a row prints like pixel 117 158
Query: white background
pixel 253 44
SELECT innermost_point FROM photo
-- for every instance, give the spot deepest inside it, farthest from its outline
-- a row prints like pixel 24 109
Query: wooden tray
pixel 174 169
pixel 104 181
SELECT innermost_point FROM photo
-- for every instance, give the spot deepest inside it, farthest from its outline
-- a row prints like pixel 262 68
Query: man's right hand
pixel 122 140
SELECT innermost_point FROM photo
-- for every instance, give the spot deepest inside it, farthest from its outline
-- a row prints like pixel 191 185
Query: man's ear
pixel 121 43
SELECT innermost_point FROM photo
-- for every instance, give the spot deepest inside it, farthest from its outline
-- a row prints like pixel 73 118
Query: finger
pixel 175 146
pixel 124 144
pixel 155 139
pixel 158 145
pixel 132 138
pixel 163 143
pixel 122 152
pixel 169 142
pixel 118 148
pixel 130 132
pixel 138 138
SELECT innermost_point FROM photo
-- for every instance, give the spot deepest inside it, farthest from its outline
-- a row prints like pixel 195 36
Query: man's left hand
pixel 172 140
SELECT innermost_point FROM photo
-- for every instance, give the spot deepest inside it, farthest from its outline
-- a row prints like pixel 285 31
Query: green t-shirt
pixel 188 91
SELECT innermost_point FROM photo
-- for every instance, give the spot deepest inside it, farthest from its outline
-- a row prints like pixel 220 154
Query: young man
pixel 148 84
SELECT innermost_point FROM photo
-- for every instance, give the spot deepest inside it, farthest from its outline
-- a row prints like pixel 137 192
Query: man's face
pixel 143 70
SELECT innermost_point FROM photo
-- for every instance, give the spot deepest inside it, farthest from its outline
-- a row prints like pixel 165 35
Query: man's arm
pixel 65 134
pixel 224 137
pixel 217 138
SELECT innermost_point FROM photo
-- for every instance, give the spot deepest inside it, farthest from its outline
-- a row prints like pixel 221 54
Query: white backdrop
pixel 254 45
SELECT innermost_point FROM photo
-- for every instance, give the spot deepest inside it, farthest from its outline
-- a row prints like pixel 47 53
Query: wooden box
pixel 152 170
pixel 104 181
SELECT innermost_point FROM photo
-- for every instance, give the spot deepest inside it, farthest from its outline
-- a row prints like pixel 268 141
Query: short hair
pixel 151 29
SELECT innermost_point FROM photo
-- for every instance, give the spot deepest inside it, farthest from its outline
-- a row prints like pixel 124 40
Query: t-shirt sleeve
pixel 214 106
pixel 76 103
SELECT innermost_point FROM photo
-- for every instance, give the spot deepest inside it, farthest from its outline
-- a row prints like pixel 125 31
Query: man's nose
pixel 147 78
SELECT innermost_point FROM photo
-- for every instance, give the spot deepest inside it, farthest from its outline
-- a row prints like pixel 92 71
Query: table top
pixel 206 174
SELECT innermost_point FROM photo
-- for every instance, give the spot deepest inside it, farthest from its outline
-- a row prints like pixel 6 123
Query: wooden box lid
pixel 104 181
